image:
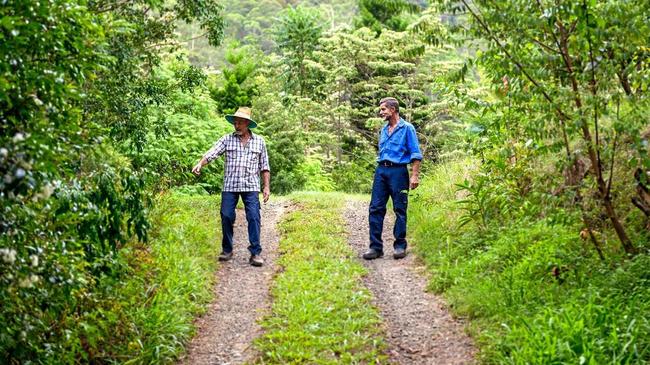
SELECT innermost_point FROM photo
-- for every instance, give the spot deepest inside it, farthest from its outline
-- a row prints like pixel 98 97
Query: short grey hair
pixel 391 103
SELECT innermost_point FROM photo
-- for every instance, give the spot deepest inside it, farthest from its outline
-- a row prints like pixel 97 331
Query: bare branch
pixel 195 37
pixel 594 90
pixel 562 116
pixel 611 168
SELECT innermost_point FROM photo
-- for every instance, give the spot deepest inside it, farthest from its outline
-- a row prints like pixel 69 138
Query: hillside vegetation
pixel 533 119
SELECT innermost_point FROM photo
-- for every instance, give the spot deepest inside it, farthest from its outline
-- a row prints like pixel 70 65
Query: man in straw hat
pixel 398 147
pixel 246 158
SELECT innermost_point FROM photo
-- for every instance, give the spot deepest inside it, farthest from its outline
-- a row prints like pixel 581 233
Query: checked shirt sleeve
pixel 412 144
pixel 264 159
pixel 217 150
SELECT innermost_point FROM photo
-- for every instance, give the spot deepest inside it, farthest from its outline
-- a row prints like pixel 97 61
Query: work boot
pixel 399 253
pixel 372 254
pixel 256 260
pixel 225 256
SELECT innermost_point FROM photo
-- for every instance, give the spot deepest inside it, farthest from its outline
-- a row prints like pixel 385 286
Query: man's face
pixel 241 125
pixel 385 112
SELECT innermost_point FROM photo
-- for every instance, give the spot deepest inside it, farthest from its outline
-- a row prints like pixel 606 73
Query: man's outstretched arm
pixel 196 170
pixel 217 150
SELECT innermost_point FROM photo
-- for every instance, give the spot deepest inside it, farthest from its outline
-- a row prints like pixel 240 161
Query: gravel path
pixel 419 330
pixel 225 332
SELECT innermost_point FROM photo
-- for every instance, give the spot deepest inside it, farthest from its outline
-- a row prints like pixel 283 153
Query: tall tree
pixel 361 69
pixel 237 86
pixel 386 14
pixel 298 35
pixel 579 71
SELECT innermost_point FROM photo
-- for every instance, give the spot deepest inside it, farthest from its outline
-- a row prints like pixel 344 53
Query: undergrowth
pixel 146 312
pixel 534 291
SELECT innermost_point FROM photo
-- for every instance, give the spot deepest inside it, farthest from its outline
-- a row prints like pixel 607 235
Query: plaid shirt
pixel 243 163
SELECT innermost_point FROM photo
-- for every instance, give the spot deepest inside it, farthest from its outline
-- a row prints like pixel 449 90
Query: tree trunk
pixel 596 166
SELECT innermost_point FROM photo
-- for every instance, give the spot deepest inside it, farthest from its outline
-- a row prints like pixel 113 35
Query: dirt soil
pixel 418 328
pixel 226 331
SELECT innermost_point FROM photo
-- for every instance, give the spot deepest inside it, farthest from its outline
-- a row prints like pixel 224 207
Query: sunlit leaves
pixel 77 85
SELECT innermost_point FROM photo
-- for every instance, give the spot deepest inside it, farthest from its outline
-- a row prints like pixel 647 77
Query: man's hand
pixel 415 182
pixel 196 170
pixel 415 174
pixel 266 193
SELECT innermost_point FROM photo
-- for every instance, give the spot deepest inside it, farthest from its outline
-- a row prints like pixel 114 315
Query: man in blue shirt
pixel 398 146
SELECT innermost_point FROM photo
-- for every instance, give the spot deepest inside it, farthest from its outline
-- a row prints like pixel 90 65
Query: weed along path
pixel 226 332
pixel 419 330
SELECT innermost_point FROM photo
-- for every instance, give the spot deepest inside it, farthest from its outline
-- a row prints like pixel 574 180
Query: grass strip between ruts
pixel 321 312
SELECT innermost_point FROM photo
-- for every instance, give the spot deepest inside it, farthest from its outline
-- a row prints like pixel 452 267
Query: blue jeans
pixel 252 206
pixel 390 182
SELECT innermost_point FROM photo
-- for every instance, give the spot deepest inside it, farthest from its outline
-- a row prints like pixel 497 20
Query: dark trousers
pixel 252 206
pixel 390 182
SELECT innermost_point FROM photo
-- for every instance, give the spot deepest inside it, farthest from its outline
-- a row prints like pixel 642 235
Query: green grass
pixel 502 278
pixel 147 314
pixel 321 312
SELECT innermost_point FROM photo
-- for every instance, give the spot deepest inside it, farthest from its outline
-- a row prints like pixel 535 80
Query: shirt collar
pixel 399 125
pixel 253 136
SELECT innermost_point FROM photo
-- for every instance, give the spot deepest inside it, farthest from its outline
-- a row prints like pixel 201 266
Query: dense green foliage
pixel 536 291
pixel 236 87
pixel 77 85
pixel 253 22
pixel 320 313
pixel 532 116
pixel 297 37
pixel 381 14
pixel 570 96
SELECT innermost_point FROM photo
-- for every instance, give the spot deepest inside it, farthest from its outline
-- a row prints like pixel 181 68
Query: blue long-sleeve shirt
pixel 401 146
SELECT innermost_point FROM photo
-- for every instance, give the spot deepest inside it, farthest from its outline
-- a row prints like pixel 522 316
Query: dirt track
pixel 419 330
pixel 225 332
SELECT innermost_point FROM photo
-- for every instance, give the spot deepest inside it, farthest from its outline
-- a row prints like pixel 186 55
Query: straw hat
pixel 244 113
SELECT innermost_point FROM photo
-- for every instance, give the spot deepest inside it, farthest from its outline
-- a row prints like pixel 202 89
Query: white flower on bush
pixel 34 259
pixel 24 283
pixel 29 281
pixel 8 255
pixel 45 193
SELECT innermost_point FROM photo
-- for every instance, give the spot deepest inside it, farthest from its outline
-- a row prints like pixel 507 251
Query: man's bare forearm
pixel 266 178
pixel 196 170
pixel 415 168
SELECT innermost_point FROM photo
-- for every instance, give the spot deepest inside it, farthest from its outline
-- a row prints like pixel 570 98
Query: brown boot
pixel 399 253
pixel 256 260
pixel 372 254
pixel 225 256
